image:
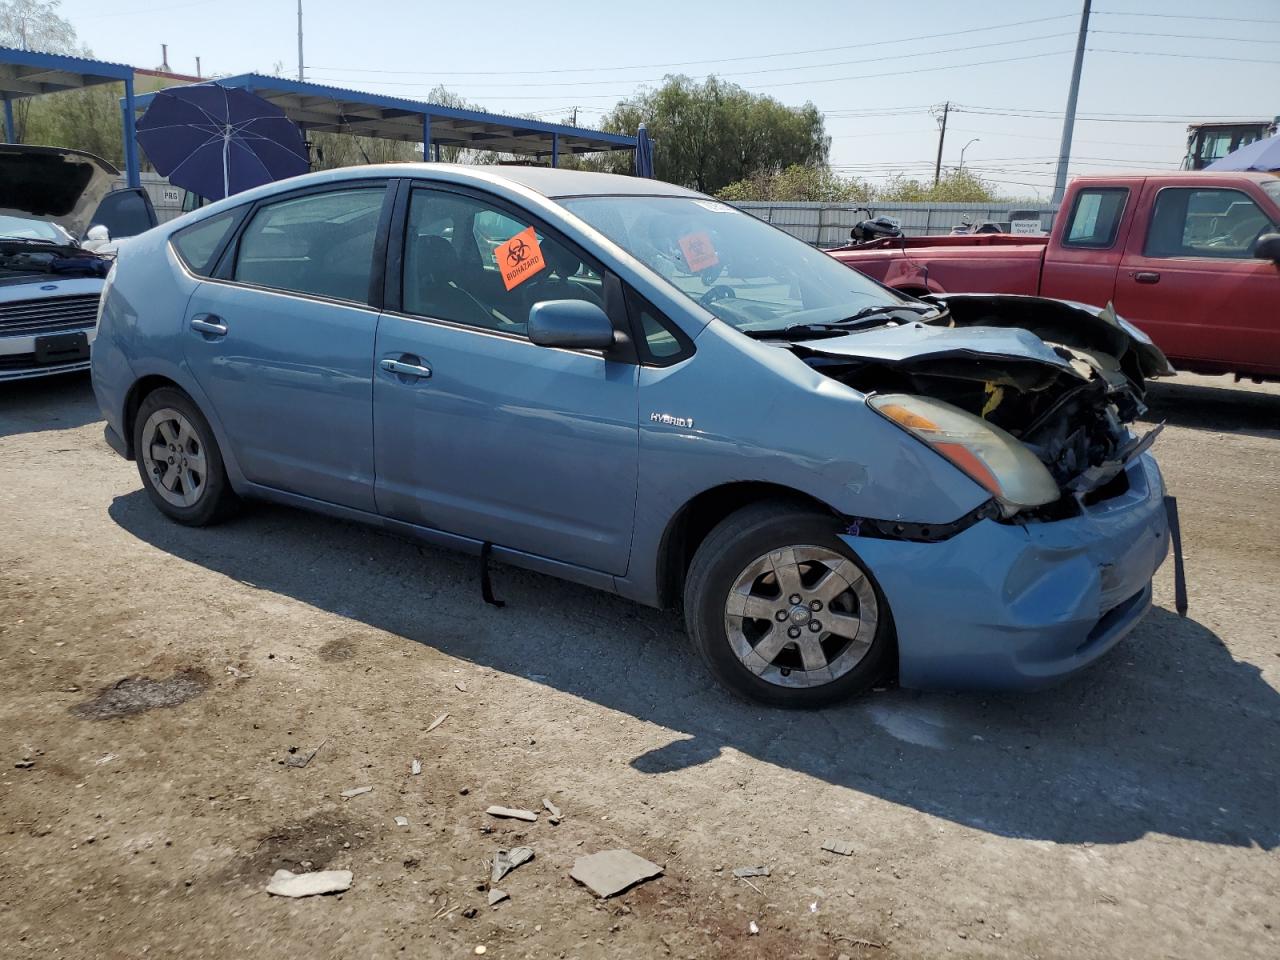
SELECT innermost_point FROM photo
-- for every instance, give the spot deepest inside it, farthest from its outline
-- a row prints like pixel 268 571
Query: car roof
pixel 554 182
pixel 1179 177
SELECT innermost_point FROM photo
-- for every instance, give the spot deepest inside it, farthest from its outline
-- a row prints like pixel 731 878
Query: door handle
pixel 1146 276
pixel 207 323
pixel 406 369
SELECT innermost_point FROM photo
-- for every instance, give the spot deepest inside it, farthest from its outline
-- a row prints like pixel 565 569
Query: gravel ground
pixel 154 680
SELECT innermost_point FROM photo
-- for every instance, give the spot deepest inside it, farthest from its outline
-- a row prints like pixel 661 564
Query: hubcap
pixel 174 457
pixel 801 616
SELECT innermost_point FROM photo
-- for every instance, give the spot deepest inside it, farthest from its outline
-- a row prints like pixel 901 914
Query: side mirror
pixel 574 324
pixel 98 233
pixel 1268 247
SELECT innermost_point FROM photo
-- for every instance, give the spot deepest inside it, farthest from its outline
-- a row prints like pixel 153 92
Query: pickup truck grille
pixel 48 315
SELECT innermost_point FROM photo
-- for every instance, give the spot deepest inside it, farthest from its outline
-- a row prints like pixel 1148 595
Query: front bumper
pixel 1004 606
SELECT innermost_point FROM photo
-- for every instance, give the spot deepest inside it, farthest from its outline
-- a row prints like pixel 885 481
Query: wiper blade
pixel 866 317
pixel 53 243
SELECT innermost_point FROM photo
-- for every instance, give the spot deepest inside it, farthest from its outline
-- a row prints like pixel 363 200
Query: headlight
pixel 994 459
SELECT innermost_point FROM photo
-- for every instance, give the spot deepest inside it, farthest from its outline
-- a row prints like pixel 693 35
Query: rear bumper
pixel 1011 607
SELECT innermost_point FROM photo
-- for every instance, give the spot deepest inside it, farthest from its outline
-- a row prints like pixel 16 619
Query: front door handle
pixel 1146 276
pixel 406 369
pixel 207 323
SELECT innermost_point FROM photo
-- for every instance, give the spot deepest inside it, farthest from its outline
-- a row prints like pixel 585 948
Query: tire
pixel 735 572
pixel 173 443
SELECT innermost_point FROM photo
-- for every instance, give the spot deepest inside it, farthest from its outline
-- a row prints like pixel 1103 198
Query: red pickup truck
pixel 1191 258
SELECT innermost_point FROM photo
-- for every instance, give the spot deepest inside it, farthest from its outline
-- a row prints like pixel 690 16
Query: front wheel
pixel 179 461
pixel 782 612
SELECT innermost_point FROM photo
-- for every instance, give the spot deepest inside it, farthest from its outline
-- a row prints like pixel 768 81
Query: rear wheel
pixel 179 461
pixel 781 610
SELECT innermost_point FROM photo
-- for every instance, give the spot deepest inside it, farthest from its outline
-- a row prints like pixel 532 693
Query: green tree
pixel 955 186
pixel 710 134
pixel 798 183
pixel 36 25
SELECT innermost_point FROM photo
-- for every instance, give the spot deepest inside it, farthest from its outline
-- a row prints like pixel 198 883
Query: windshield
pixel 23 228
pixel 744 271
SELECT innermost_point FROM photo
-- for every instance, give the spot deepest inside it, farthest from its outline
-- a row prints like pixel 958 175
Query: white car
pixel 60 223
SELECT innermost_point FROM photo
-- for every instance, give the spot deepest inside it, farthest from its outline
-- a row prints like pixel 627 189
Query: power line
pixel 743 73
pixel 1179 16
pixel 692 63
pixel 1184 56
pixel 1182 36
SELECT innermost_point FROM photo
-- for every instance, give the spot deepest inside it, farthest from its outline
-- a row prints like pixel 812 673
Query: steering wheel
pixel 718 292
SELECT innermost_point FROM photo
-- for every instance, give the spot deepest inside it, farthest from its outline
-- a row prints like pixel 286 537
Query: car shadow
pixel 1168 735
pixel 1220 409
pixel 59 402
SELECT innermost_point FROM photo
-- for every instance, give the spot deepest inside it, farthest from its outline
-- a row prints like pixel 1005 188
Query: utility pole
pixel 300 76
pixel 942 135
pixel 575 116
pixel 1069 121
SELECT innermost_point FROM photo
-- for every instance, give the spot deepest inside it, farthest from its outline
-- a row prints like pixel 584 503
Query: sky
pixel 878 69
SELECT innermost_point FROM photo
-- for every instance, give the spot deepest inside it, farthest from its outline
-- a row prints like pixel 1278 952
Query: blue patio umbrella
pixel 644 153
pixel 1261 155
pixel 216 141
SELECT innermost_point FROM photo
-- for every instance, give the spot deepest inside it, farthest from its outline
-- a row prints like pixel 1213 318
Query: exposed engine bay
pixel 24 261
pixel 1064 379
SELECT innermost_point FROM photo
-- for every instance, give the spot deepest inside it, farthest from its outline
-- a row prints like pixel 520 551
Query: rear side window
pixel 199 244
pixel 1095 217
pixel 320 244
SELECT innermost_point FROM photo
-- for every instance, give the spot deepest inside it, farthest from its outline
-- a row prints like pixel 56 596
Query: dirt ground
pixel 1134 812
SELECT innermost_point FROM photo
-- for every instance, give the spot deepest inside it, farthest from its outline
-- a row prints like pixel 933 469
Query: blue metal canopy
pixel 24 73
pixel 315 107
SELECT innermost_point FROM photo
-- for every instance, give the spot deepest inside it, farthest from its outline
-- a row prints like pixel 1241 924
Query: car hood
pixel 1023 341
pixel 50 183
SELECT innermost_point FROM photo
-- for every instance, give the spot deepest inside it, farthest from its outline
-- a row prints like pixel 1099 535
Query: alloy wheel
pixel 174 457
pixel 801 616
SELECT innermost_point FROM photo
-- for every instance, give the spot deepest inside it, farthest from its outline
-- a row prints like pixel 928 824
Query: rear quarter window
pixel 199 244
pixel 1095 217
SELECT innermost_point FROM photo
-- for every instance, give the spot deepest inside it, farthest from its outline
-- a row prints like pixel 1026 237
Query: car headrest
pixel 435 260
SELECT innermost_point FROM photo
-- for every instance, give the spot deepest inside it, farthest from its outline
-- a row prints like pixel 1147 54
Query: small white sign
pixel 1025 227
pixel 171 195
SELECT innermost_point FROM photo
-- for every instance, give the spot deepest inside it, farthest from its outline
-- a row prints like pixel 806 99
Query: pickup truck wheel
pixel 179 461
pixel 782 612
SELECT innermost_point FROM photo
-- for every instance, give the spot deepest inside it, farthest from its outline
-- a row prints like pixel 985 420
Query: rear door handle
pixel 406 369
pixel 207 323
pixel 1146 276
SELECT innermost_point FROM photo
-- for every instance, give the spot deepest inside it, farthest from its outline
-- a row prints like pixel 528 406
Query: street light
pixel 966 147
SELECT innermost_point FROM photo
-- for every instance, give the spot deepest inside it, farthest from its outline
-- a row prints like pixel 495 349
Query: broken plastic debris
pixel 285 883
pixel 612 871
pixel 551 809
pixel 512 813
pixel 437 721
pixel 461 686
pixel 505 861
pixel 355 792
pixel 238 673
pixel 296 760
pixel 841 847
pixel 402 821
pixel 415 768
pixel 813 907
pixel 497 896
pixel 743 872
pixel 753 928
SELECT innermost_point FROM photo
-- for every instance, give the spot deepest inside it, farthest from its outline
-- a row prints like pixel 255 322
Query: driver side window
pixel 475 263
pixel 1218 223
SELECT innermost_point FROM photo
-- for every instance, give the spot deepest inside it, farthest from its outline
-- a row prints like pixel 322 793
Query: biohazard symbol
pixel 519 258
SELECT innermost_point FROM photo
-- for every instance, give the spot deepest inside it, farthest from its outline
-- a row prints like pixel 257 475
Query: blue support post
pixel 555 149
pixel 132 172
pixel 426 137
pixel 10 131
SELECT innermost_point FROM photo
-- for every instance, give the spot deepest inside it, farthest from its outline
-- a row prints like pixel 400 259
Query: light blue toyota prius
pixel 636 387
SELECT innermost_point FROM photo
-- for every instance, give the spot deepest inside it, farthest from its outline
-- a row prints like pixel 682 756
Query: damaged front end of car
pixel 1031 398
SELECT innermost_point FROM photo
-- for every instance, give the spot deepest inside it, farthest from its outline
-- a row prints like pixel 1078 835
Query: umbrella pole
pixel 226 150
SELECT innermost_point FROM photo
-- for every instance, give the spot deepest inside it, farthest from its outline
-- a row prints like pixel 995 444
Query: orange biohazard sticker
pixel 519 258
pixel 698 251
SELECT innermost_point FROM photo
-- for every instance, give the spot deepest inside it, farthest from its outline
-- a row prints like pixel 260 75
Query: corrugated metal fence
pixel 827 224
